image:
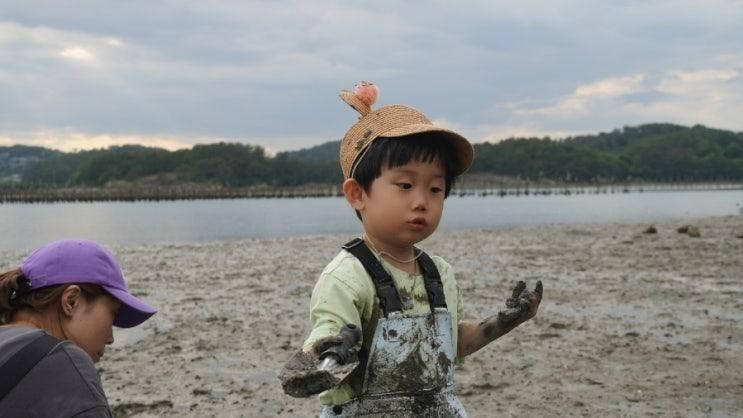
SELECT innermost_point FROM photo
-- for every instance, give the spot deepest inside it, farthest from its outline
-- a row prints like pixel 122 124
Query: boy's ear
pixel 354 194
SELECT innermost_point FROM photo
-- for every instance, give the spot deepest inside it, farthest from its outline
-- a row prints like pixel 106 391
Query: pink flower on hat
pixel 367 92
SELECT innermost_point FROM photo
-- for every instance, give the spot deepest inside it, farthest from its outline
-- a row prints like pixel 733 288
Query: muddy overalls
pixel 408 369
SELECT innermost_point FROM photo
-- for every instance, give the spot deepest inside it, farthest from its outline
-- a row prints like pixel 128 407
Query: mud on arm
pixel 520 307
pixel 333 304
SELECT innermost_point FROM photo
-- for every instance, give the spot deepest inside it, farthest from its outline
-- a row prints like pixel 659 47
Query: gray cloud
pixel 268 72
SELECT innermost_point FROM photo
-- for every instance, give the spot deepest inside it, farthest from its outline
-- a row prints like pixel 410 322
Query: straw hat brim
pixel 462 147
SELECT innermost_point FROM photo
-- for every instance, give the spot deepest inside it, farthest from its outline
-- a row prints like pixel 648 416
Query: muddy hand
pixel 341 348
pixel 522 305
pixel 306 374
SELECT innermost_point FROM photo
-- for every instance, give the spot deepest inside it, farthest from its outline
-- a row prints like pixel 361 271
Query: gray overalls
pixel 410 363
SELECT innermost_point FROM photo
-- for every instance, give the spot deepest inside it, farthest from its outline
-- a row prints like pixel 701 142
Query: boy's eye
pixel 436 190
pixel 404 186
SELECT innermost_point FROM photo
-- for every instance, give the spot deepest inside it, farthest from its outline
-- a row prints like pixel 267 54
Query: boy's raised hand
pixel 520 307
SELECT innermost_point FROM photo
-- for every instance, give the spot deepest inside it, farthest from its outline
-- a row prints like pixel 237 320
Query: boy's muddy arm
pixel 329 361
pixel 520 307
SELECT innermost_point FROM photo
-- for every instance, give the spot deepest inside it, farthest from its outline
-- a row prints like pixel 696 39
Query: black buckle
pixel 354 242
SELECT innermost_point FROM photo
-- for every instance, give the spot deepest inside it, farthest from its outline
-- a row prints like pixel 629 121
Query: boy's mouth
pixel 418 223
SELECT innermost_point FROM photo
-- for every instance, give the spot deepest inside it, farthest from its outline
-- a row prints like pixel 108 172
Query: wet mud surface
pixel 631 324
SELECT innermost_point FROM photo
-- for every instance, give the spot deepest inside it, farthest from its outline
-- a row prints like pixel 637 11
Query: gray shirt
pixel 64 383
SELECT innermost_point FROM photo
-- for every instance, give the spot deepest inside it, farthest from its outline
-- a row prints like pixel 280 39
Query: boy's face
pixel 404 204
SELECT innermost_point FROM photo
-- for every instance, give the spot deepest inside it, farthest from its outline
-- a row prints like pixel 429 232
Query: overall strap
pixel 18 366
pixel 389 298
pixel 434 287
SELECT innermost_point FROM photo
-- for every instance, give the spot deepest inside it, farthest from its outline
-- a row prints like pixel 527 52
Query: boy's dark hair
pixel 389 153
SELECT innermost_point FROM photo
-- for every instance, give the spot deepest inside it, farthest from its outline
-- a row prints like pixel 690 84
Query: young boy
pixel 398 169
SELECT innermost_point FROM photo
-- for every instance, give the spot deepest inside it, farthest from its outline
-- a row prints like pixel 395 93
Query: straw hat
pixel 391 122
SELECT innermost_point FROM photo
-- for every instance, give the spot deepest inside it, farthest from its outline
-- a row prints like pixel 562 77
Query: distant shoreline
pixel 509 187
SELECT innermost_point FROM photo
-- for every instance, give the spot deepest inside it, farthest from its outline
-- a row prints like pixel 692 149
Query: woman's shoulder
pixel 77 365
pixel 66 376
pixel 15 338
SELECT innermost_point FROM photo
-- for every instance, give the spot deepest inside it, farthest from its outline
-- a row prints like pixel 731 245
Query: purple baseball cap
pixel 80 261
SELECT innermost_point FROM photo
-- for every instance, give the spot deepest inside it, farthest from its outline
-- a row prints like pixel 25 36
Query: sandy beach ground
pixel 631 324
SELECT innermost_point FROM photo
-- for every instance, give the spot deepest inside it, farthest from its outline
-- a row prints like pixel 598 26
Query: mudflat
pixel 632 323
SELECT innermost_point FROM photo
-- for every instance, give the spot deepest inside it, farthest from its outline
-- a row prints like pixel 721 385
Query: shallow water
pixel 26 226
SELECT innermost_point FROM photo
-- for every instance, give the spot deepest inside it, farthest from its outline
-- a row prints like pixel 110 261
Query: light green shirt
pixel 345 294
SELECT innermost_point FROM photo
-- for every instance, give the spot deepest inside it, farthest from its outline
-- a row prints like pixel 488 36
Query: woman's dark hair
pixel 16 295
pixel 387 153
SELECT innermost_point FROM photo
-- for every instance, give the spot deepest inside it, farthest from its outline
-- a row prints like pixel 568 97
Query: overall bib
pixel 410 363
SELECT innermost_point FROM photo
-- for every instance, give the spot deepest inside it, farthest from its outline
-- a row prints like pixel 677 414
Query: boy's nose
pixel 419 201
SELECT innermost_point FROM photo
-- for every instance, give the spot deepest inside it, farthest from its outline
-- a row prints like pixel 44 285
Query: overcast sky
pixel 87 74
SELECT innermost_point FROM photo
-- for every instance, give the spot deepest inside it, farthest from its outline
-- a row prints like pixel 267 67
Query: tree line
pixel 653 152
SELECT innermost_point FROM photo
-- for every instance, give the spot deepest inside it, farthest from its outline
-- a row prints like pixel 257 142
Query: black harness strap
pixel 434 287
pixel 389 298
pixel 18 366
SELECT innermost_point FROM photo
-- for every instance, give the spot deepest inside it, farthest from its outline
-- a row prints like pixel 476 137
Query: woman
pixel 56 317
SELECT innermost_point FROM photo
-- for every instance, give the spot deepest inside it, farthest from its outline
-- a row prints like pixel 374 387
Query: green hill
pixel 653 152
pixel 323 152
pixel 14 159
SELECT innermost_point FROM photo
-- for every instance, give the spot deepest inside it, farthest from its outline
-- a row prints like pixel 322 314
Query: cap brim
pixel 465 151
pixel 132 312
